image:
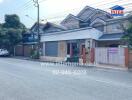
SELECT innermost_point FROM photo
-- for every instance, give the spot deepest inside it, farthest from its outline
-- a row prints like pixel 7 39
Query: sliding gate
pixel 112 56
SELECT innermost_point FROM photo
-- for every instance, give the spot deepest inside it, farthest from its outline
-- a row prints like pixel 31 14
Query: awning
pixel 85 33
pixel 111 37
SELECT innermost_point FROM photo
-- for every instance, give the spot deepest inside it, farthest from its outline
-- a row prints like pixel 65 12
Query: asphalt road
pixel 28 80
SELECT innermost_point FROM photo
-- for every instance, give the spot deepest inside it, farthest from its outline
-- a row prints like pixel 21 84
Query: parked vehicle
pixel 4 52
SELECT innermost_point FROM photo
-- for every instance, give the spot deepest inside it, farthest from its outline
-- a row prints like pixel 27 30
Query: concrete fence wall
pixel 130 59
pixel 25 50
pixel 19 50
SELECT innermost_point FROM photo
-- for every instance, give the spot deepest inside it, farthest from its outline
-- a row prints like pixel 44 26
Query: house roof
pixel 114 36
pixel 47 24
pixel 71 16
pixel 105 12
pixel 94 11
pixel 40 24
pixel 117 19
pixel 98 19
pixel 117 7
pixel 55 25
pixel 84 9
pixel 83 33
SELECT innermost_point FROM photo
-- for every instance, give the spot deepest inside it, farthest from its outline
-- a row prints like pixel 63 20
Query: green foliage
pixel 14 35
pixel 34 54
pixel 11 32
pixel 13 21
pixel 130 18
pixel 128 36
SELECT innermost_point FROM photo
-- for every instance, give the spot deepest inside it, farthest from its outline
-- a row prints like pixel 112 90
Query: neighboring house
pixel 30 38
pixel 28 43
pixel 47 28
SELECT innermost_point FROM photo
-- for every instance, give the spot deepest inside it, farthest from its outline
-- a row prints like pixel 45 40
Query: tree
pixel 128 36
pixel 128 32
pixel 11 32
pixel 13 21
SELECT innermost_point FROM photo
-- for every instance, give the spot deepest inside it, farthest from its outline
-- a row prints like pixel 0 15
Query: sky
pixel 54 10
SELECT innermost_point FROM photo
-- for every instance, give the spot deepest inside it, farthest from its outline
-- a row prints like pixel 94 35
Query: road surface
pixel 29 80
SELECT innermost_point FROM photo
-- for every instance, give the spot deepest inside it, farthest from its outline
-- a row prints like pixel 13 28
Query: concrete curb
pixel 23 58
pixel 86 66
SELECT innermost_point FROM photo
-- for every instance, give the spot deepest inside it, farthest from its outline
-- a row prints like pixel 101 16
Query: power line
pixel 29 4
pixel 42 1
pixel 119 1
pixel 26 4
pixel 65 15
pixel 90 5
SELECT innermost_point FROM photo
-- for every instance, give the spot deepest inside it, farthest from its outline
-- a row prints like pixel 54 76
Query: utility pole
pixel 36 4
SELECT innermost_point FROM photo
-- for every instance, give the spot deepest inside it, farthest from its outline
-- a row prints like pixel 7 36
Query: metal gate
pixel 113 56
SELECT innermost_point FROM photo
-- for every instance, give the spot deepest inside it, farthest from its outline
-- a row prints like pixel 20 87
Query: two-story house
pixel 83 31
pixel 90 28
pixel 112 28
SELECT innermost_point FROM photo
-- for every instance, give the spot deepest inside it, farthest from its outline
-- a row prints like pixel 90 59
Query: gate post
pixel 126 51
pixel 92 55
pixel 84 55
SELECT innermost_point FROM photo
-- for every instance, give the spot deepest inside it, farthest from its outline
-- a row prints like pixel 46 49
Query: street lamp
pixel 36 4
pixel 41 20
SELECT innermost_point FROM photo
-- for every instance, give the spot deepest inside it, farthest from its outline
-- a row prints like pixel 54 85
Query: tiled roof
pixel 69 16
pixel 114 36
